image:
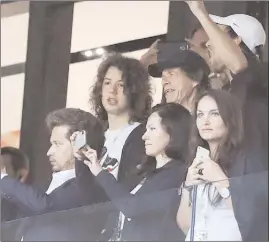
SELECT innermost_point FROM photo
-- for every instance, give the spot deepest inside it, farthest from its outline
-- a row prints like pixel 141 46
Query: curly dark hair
pixel 136 87
pixel 78 120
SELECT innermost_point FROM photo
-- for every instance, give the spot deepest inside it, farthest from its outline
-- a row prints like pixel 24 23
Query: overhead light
pixel 88 53
pixel 100 51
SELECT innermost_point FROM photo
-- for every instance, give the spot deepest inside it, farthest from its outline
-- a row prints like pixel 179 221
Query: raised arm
pixel 231 54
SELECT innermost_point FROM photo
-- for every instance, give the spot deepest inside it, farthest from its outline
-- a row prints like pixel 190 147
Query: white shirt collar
pixel 60 178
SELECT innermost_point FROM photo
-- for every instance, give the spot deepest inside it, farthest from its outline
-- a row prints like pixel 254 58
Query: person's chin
pixel 149 152
pixel 171 99
pixel 207 137
pixel 55 169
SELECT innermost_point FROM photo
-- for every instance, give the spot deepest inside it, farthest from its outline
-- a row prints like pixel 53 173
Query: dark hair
pixel 18 158
pixel 177 122
pixel 197 75
pixel 230 110
pixel 136 87
pixel 78 120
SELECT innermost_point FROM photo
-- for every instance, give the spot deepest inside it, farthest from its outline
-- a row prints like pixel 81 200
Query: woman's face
pixel 209 122
pixel 156 138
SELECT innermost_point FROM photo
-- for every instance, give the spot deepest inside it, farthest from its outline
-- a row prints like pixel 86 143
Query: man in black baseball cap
pixel 184 74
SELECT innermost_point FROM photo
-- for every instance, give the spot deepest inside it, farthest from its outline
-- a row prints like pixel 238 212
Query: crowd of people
pixel 139 176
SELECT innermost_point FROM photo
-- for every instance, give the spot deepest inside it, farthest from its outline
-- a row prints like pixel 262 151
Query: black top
pixel 250 87
pixel 249 192
pixel 146 210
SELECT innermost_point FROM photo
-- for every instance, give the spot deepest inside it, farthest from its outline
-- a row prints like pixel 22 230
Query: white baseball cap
pixel 247 27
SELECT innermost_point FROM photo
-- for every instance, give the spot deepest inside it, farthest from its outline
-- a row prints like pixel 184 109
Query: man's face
pixel 60 153
pixel 198 44
pixel 177 86
pixel 113 98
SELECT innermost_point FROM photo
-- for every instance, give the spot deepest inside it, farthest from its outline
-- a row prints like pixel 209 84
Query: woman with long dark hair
pixel 142 212
pixel 221 202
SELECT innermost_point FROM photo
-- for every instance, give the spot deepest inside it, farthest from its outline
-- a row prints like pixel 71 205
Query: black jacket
pixel 249 192
pixel 250 86
pixel 133 153
pixel 80 191
pixel 146 210
pixel 33 202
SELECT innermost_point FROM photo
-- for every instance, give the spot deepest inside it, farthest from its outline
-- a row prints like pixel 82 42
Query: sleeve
pixel 132 154
pixel 90 189
pixel 249 193
pixel 250 83
pixel 241 83
pixel 25 197
pixel 137 205
pixel 8 210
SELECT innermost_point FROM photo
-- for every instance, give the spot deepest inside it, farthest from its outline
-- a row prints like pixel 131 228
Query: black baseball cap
pixel 171 57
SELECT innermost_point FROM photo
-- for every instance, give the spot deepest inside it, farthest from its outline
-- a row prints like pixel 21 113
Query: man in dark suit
pixel 63 192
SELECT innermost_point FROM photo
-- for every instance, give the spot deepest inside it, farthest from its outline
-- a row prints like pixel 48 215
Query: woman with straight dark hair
pixel 142 212
pixel 226 209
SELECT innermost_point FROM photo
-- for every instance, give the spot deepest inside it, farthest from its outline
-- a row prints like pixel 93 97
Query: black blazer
pixel 146 210
pixel 33 202
pixel 249 192
pixel 133 153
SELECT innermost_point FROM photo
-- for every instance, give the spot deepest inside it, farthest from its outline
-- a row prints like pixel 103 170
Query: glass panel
pixel 101 23
pixel 12 89
pixel 14 36
pixel 247 216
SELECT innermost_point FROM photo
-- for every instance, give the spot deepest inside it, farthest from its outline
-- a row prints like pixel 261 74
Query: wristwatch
pixel 225 192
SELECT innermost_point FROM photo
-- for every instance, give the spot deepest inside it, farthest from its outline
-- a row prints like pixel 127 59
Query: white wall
pixel 99 23
pixel 14 35
pixel 11 102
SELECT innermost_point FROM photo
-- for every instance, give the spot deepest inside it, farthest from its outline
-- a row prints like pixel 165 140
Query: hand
pixel 150 57
pixel 193 178
pixel 93 162
pixel 77 153
pixel 211 171
pixel 197 6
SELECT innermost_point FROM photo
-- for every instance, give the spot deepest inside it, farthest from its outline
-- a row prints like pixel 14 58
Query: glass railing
pixel 213 212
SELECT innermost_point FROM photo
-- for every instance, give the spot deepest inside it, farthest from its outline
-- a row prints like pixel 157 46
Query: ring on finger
pixel 200 171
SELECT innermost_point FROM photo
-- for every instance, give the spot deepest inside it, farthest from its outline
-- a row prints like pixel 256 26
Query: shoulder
pixel 173 173
pixel 70 184
pixel 136 135
pixel 247 161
